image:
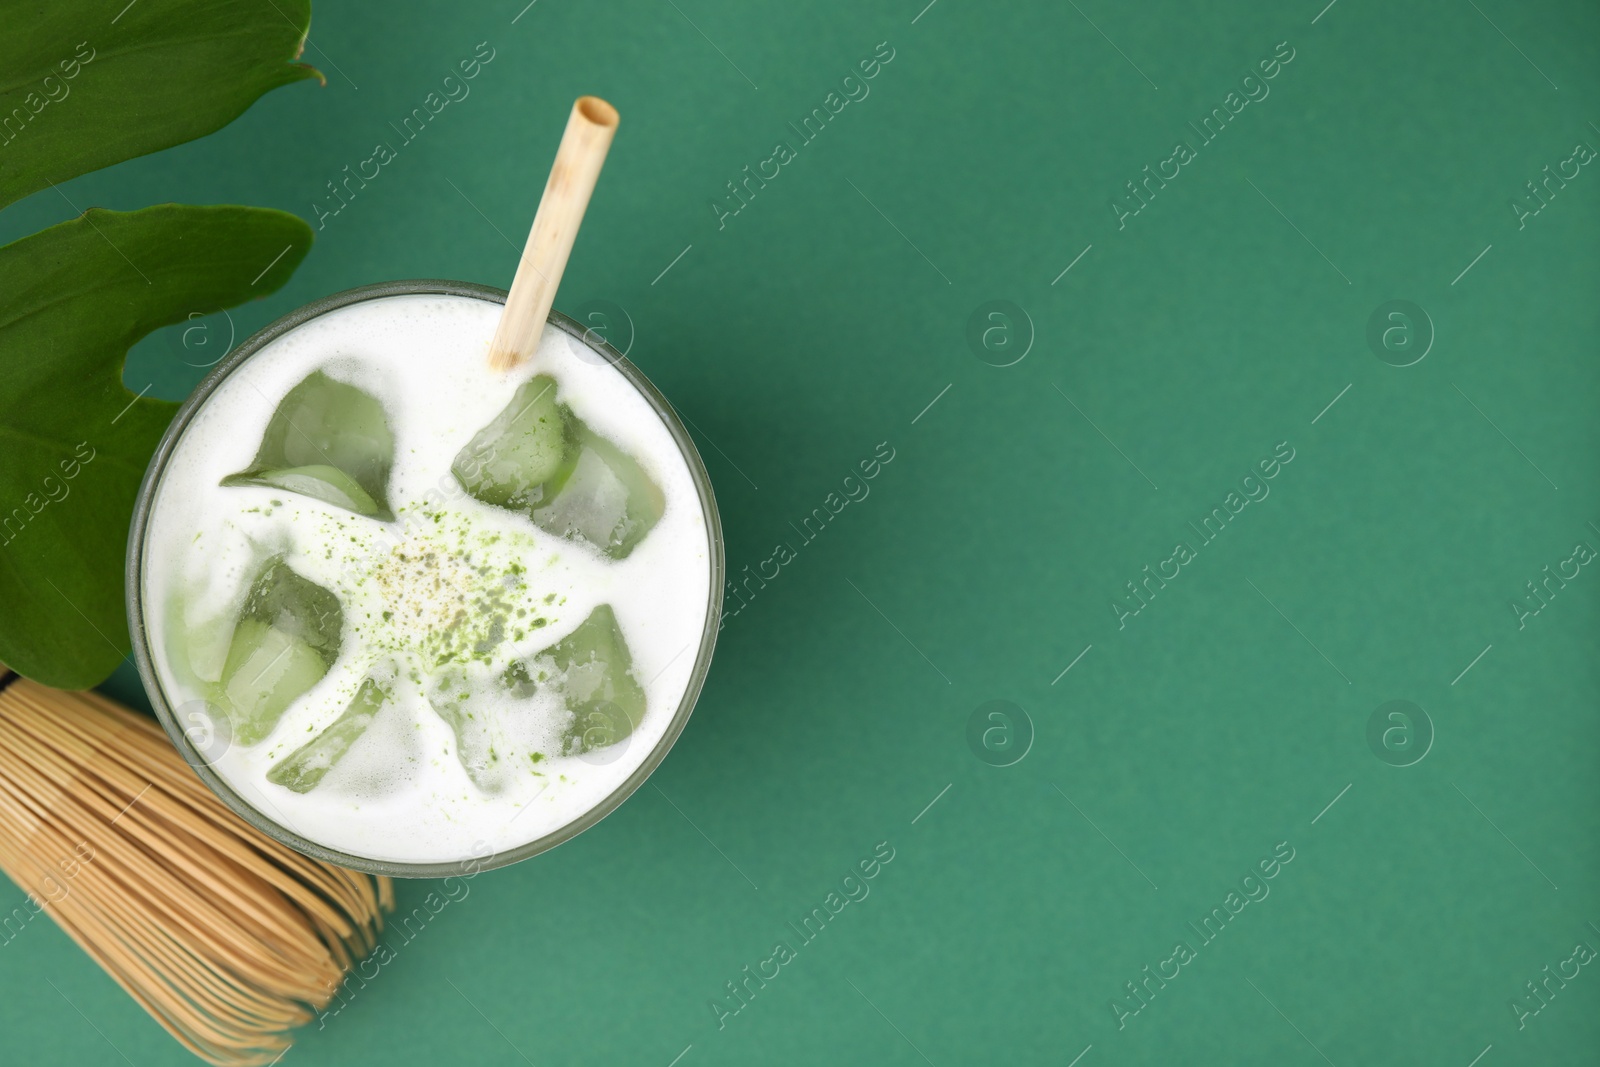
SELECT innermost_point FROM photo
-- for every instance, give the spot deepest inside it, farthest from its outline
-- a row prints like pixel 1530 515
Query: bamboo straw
pixel 227 938
pixel 544 258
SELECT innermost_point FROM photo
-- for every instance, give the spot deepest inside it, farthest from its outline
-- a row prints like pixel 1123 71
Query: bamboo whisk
pixel 227 938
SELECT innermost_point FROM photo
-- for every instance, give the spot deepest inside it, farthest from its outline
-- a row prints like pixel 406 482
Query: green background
pixel 1180 748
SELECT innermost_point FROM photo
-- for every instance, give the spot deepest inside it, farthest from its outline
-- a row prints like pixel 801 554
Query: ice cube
pixel 593 672
pixel 204 606
pixel 322 482
pixel 207 640
pixel 286 638
pixel 267 670
pixel 478 742
pixel 328 440
pixel 538 458
pixel 522 454
pixel 304 768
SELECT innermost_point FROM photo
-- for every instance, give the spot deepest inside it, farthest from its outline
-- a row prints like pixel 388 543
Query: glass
pixel 186 744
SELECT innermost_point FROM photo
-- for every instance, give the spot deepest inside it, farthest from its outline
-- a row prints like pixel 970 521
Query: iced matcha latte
pixel 396 606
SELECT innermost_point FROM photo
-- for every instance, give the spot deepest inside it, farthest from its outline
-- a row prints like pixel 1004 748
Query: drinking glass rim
pixel 134 592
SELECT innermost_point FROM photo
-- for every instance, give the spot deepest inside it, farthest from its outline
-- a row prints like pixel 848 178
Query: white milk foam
pixel 400 793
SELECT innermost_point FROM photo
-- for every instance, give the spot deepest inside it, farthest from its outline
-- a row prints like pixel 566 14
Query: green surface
pixel 1177 753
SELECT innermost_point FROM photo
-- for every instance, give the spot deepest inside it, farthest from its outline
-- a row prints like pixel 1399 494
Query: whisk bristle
pixel 226 937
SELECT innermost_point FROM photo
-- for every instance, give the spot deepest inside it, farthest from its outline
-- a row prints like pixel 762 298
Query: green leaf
pixel 74 442
pixel 79 91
